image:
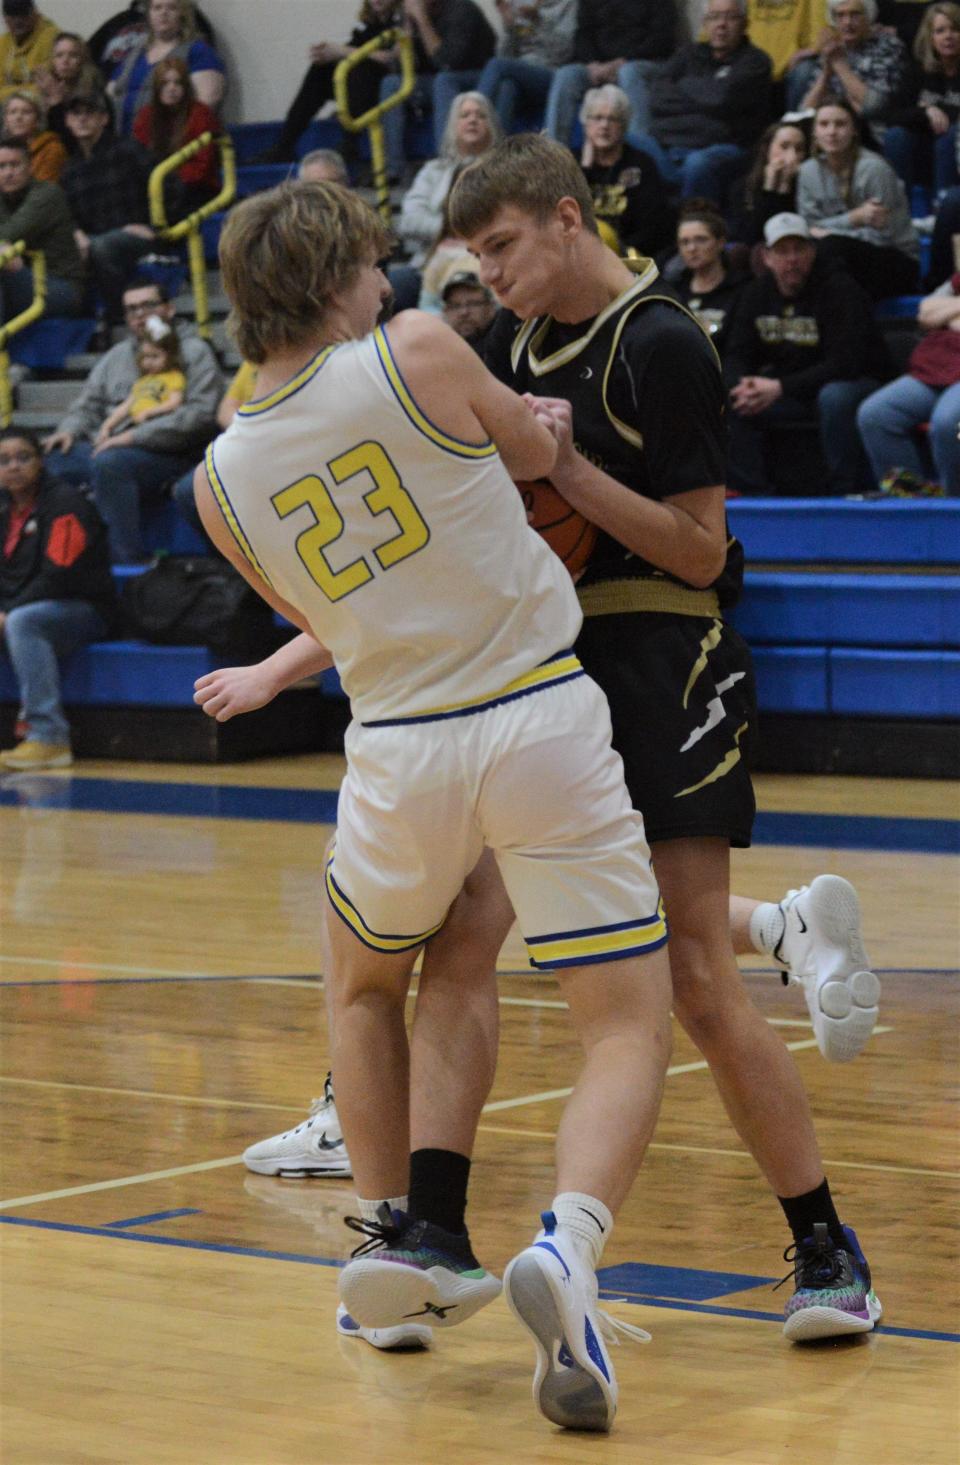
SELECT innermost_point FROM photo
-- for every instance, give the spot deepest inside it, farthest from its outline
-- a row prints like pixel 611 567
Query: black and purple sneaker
pixel 833 1292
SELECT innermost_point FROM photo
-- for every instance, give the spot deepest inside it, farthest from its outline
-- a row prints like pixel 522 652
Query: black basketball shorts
pixel 682 699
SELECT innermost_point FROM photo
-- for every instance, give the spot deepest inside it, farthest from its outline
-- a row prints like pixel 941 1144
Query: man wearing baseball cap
pixel 27 45
pixel 803 348
pixel 468 306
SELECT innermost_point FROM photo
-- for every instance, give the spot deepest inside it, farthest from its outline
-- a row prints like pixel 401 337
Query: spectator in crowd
pixel 770 187
pixel 710 285
pixel 622 44
pixel 856 205
pixel 112 42
pixel 472 129
pixel 140 462
pixel 468 306
pixel 920 141
pixel 857 62
pixel 316 89
pixel 537 38
pixel 628 192
pixel 944 252
pixel 106 187
pixel 709 105
pixel 928 392
pixel 324 165
pixel 172 118
pixel 56 593
pixel 23 119
pixel 803 347
pixel 453 39
pixel 787 30
pixel 69 70
pixel 36 212
pixel 26 47
pixel 158 390
pixel 171 31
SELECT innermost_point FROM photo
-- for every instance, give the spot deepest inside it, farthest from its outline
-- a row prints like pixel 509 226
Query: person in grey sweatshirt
pixel 140 462
pixel 856 206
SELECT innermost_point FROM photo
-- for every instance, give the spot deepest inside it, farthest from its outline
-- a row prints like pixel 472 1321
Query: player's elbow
pixel 706 567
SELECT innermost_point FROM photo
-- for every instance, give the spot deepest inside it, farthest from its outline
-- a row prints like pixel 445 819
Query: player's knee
pixel 704 990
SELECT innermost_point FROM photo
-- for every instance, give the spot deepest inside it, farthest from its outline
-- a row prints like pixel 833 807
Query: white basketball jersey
pixel 407 551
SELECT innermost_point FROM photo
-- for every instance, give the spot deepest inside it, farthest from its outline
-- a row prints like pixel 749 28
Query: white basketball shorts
pixel 534 777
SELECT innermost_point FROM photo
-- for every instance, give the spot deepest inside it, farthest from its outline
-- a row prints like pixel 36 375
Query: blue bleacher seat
pixel 779 608
pixel 887 683
pixel 821 531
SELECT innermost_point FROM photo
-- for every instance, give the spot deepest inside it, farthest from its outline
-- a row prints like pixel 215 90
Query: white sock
pixel 369 1208
pixel 767 925
pixel 587 1220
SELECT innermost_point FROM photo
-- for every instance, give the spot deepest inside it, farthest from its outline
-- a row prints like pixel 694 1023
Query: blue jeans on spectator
pixel 798 81
pixel 114 257
pixel 447 85
pixel 697 172
pixel 16 293
pixel 395 121
pixel 515 86
pixel 120 479
pixel 835 414
pixel 37 636
pixel 888 421
pixel 919 157
pixel 571 83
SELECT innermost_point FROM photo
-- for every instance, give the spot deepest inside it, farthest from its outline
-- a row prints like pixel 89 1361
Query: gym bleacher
pixel 852 608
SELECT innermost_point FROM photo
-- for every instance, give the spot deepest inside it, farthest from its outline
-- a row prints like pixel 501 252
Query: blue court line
pixel 322 1261
pixel 150 1219
pixel 881 971
pixel 319 806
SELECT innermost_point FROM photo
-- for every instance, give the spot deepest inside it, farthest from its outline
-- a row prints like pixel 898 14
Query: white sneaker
pixel 405 1337
pixel 822 948
pixel 554 1294
pixel 315 1149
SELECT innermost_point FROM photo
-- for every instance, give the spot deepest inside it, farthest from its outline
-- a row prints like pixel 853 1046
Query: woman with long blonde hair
pixel 921 139
pixel 171 31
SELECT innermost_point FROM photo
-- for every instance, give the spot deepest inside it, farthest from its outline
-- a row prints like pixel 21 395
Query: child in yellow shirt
pixel 159 390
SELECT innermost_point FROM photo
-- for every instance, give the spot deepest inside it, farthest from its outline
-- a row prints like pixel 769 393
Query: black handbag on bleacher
pixel 196 600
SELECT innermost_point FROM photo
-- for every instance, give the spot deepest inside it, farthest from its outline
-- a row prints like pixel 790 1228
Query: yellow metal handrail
pixel 38 264
pixel 189 227
pixel 371 119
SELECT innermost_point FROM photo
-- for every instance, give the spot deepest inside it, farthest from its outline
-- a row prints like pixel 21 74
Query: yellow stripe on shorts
pixel 602 943
pixel 376 940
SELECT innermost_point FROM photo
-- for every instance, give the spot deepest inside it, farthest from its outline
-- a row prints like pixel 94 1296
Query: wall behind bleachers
pixel 264 45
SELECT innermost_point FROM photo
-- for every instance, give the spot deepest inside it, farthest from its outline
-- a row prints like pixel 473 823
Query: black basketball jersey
pixel 644 384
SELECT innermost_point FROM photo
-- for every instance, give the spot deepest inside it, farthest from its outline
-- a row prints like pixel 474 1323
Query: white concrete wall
pixel 264 42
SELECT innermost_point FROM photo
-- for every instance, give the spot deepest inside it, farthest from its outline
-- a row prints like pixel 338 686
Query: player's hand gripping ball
pixel 567 532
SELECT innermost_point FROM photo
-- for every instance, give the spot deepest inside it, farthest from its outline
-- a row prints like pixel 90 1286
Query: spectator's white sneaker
pixel 400 1339
pixel 314 1150
pixel 554 1294
pixel 822 948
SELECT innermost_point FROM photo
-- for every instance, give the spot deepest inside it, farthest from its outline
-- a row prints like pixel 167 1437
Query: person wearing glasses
pixel 56 594
pixel 854 61
pixel 135 467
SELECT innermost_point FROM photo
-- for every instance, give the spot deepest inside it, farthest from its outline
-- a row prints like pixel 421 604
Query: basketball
pixel 567 532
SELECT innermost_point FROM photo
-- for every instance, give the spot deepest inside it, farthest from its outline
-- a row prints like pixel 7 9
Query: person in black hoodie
pixel 920 139
pixel 56 592
pixel 803 347
pixel 711 284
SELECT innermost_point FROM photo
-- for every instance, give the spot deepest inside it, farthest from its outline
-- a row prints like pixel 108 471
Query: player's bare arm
pixel 458 393
pixel 685 534
pixel 231 690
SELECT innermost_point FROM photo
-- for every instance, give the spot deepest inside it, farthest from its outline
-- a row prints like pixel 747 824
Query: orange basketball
pixel 567 532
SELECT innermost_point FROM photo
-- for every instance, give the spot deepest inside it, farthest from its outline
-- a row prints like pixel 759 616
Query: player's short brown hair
pixel 285 253
pixel 528 171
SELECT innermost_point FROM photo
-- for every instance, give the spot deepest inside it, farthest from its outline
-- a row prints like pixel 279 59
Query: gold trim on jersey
pixel 351 917
pixel 604 943
pixel 623 429
pixel 708 644
pixel 660 597
pixel 416 416
pixel 308 372
pixel 561 668
pixel 728 761
pixel 229 517
pixel 531 335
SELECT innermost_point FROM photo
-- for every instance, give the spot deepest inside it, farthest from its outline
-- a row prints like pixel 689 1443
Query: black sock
pixel 438 1188
pixel 803 1211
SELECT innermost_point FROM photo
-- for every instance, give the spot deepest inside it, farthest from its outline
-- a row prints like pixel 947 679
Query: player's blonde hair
pixel 528 171
pixel 285 253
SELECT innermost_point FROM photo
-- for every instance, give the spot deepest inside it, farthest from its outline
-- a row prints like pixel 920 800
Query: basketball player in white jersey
pixel 367 495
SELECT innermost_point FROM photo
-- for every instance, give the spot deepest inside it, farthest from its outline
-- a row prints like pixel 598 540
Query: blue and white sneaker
pixel 411 1271
pixel 404 1339
pixel 554 1294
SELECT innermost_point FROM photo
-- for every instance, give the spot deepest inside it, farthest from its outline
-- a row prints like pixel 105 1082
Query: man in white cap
pixel 803 347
